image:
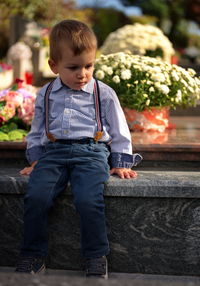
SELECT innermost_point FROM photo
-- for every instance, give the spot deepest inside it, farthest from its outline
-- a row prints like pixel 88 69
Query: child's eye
pixel 72 68
pixel 89 66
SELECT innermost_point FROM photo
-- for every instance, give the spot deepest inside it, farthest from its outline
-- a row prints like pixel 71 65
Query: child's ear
pixel 53 66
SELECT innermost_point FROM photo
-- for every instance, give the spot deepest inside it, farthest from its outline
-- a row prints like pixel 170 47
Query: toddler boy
pixel 78 124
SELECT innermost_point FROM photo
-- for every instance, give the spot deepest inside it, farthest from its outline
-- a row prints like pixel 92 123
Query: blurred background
pixel 165 29
pixel 178 19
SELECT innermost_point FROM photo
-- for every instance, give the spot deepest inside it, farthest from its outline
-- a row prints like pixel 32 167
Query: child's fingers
pixel 26 171
pixel 130 174
pixel 133 174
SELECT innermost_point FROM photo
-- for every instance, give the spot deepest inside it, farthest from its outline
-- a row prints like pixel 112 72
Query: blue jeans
pixel 85 167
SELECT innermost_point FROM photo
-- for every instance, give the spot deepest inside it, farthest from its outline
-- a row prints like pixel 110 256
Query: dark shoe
pixel 97 268
pixel 30 265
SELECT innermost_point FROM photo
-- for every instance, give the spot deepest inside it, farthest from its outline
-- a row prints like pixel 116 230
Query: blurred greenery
pixel 11 132
pixel 46 13
pixel 98 19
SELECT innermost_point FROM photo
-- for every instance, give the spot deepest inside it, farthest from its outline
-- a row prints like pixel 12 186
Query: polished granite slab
pixel 149 184
pixel 184 133
pixel 179 143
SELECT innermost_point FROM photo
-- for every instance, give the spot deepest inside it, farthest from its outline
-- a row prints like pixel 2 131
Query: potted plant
pixel 148 87
pixel 139 39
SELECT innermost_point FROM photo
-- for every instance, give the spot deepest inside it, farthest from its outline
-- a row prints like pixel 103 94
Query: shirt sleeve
pixel 121 144
pixel 34 146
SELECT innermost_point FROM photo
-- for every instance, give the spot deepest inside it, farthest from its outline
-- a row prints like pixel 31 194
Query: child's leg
pixel 87 183
pixel 48 178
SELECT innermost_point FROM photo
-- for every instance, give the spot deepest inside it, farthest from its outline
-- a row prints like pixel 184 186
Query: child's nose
pixel 81 73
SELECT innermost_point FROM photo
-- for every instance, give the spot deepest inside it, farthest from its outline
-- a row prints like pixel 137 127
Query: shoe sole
pixel 41 271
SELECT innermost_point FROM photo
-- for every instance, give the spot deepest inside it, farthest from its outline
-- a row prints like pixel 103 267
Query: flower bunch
pixel 139 39
pixel 142 82
pixel 17 101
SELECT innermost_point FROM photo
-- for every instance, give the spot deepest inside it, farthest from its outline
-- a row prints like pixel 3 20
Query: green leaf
pixel 15 135
pixel 3 136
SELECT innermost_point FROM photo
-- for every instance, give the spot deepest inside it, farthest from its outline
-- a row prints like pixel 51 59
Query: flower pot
pixel 151 119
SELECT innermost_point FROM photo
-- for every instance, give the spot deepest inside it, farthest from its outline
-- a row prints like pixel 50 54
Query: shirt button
pixel 67 111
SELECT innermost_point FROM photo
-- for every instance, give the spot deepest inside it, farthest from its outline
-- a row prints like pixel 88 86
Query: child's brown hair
pixel 74 33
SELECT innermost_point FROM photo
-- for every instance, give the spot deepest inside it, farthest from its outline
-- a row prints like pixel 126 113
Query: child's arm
pixel 28 170
pixel 124 173
pixel 34 148
pixel 121 158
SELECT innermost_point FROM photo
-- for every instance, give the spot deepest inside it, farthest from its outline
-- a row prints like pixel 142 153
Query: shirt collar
pixel 89 87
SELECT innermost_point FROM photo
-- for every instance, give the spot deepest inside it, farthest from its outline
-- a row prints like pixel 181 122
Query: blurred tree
pixel 178 35
pixel 103 25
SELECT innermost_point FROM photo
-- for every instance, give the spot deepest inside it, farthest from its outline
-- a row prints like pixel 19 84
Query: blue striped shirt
pixel 72 116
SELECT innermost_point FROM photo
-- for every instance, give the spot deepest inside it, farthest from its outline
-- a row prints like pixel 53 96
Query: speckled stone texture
pixel 153 223
pixel 10 279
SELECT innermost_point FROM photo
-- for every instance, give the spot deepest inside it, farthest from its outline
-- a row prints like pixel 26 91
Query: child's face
pixel 74 71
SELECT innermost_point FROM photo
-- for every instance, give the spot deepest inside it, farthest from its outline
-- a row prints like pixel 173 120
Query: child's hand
pixel 28 170
pixel 124 173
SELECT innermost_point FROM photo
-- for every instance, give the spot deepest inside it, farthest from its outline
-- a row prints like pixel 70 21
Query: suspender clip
pixel 51 137
pixel 98 135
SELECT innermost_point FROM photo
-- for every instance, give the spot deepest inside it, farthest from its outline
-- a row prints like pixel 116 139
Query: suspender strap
pixel 49 135
pixel 97 103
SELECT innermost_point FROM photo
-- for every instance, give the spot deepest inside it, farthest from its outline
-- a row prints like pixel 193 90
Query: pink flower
pixel 21 100
pixel 15 97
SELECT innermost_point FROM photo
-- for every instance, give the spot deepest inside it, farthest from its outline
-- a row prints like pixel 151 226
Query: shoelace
pixel 96 266
pixel 25 264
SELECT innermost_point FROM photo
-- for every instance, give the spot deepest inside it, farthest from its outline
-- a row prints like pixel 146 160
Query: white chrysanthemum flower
pixel 125 74
pixel 100 74
pixel 191 72
pixel 178 96
pixel 184 82
pixel 175 75
pixel 109 71
pixel 116 79
pixel 164 88
pixel 151 89
pixel 158 77
pixel 147 102
pixel 191 89
pixel 104 67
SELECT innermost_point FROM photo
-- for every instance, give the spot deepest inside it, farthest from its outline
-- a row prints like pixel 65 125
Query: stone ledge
pixel 149 184
pixel 153 223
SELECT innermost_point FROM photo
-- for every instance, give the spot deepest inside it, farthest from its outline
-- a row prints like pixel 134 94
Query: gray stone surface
pixel 73 278
pixel 150 183
pixel 153 223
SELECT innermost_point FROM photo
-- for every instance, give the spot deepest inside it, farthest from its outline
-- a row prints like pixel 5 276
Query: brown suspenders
pixel 97 103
